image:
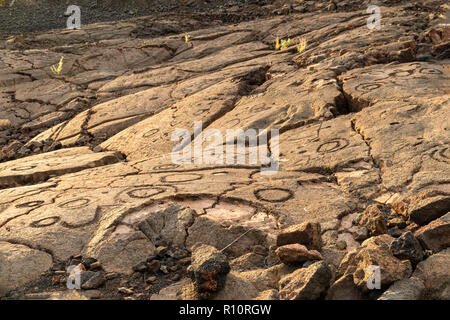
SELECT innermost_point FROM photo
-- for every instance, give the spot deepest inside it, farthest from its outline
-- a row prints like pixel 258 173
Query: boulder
pixel 247 261
pixel 296 253
pixel 407 247
pixel 405 289
pixel 434 272
pixel 236 288
pixel 268 295
pixel 307 233
pixel 427 206
pixel 435 236
pixel 344 289
pixel 181 290
pixel 374 252
pixel 20 264
pixel 267 278
pixel 208 269
pixel 373 220
pixel 92 280
pixel 306 283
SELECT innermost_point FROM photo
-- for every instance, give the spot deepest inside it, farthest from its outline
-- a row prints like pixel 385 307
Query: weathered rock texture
pixel 364 153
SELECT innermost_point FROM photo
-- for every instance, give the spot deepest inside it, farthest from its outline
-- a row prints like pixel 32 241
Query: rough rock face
pixel 307 233
pixel 295 253
pixel 20 264
pixel 374 252
pixel 435 236
pixel 407 247
pixel 434 273
pixel 209 269
pixel 362 154
pixel 406 289
pixel 305 283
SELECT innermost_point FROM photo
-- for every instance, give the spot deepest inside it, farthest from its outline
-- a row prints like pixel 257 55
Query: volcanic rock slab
pixel 356 117
pixel 40 167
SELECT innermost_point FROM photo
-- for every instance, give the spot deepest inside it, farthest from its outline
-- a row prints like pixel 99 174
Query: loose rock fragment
pixel 344 288
pixel 406 289
pixel 373 220
pixel 435 236
pixel 307 233
pixel 209 269
pixel 95 280
pixel 407 247
pixel 374 252
pixel 427 206
pixel 296 253
pixel 434 272
pixel 305 283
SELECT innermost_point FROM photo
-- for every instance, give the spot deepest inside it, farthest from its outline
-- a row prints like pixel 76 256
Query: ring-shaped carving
pixel 367 87
pixel 179 178
pixel 24 168
pixel 45 222
pixel 286 194
pixel 150 133
pixel 332 145
pixel 75 203
pixel 30 204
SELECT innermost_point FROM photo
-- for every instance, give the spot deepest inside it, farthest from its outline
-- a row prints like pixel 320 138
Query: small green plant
pixel 301 46
pixel 285 44
pixel 58 69
pixel 277 44
pixel 282 44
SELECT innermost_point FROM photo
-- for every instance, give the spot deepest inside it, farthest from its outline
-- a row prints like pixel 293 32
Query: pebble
pixel 161 251
pixel 140 267
pixel 341 244
pixel 124 290
pixel 153 266
pixel 185 261
pixel 95 265
pixel 5 124
pixel 164 269
pixel 111 275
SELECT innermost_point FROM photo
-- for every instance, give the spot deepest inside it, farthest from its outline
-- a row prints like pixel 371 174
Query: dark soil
pixel 21 16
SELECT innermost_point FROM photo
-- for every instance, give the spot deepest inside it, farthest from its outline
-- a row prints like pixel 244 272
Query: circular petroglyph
pixel 273 194
pixel 401 73
pixel 75 203
pixel 429 71
pixel 415 65
pixel 30 204
pixel 150 133
pixel 57 163
pixel 232 123
pixel 379 74
pixel 200 112
pixel 367 87
pixel 45 222
pixel 166 166
pixel 442 155
pixel 332 145
pixel 259 107
pixel 145 192
pixel 183 177
pixel 24 168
